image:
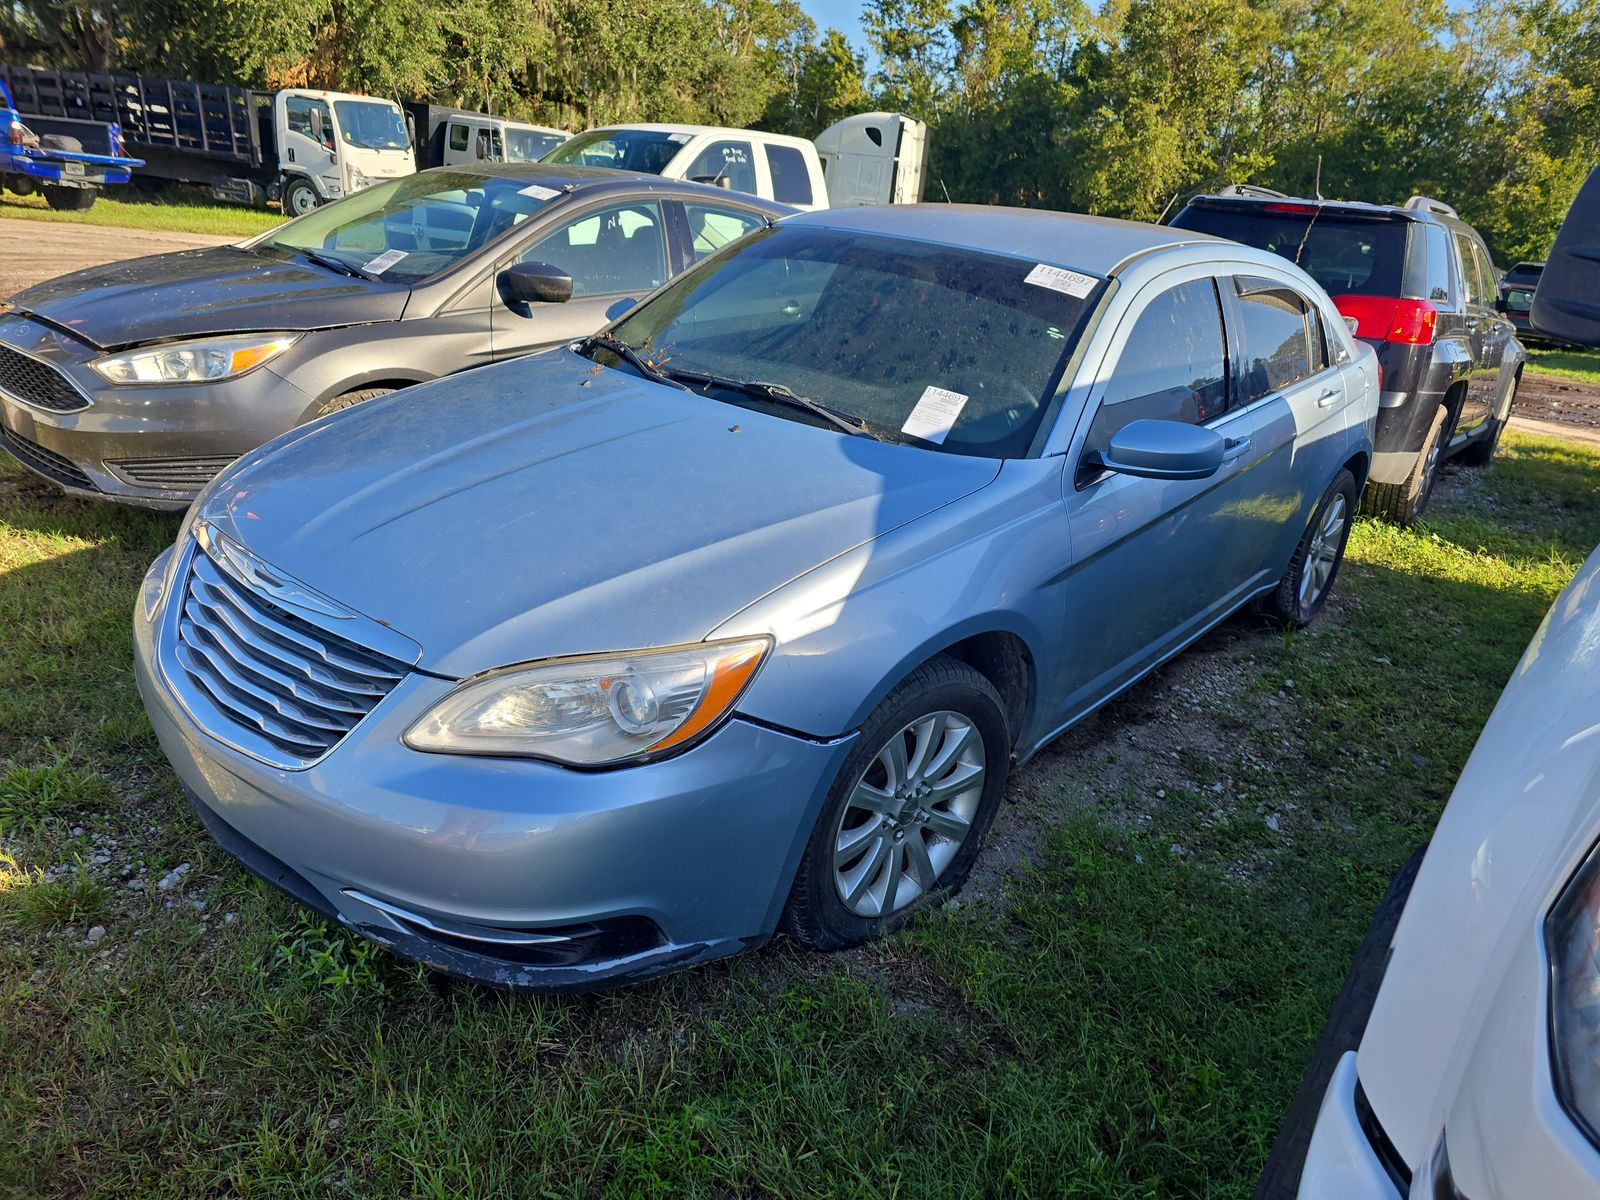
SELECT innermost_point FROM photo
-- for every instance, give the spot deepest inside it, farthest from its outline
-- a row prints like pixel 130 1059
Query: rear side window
pixel 1346 256
pixel 791 182
pixel 1282 337
pixel 1173 367
pixel 1436 270
pixel 1471 276
pixel 459 136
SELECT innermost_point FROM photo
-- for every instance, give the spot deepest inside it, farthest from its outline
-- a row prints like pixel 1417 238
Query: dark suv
pixel 1416 283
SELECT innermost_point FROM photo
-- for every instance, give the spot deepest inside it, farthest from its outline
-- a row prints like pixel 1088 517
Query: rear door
pixel 1156 561
pixel 1291 377
pixel 614 251
pixel 1499 329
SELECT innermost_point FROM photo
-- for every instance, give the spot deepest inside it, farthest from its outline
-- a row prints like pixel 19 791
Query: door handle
pixel 1234 448
pixel 1327 397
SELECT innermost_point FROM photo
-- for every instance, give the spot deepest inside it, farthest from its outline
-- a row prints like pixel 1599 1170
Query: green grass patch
pixel 1581 366
pixel 1125 1015
pixel 169 211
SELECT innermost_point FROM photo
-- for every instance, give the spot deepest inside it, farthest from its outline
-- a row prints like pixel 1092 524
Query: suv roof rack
pixel 1429 204
pixel 1250 189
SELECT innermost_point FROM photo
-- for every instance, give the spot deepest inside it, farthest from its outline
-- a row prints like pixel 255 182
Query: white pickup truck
pixel 870 158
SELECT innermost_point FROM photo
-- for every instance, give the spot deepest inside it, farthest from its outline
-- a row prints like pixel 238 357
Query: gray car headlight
pixel 194 362
pixel 1572 939
pixel 597 710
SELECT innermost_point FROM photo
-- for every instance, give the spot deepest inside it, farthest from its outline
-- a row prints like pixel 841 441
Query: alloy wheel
pixel 1323 553
pixel 908 814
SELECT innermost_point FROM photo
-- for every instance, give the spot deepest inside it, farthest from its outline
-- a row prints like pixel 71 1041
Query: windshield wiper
pixel 762 390
pixel 333 264
pixel 632 357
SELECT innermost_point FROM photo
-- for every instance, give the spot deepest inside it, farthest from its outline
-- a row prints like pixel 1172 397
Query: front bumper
pixel 457 861
pixel 150 445
pixel 1342 1161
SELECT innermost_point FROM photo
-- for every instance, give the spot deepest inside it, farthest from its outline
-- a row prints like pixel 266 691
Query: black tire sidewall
pixel 1441 434
pixel 824 921
pixel 1288 603
pixel 295 188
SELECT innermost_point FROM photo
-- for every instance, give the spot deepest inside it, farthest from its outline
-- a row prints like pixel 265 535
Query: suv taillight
pixel 1390 320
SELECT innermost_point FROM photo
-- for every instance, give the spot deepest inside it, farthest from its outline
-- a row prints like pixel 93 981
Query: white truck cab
pixel 332 144
pixel 472 138
pixel 873 158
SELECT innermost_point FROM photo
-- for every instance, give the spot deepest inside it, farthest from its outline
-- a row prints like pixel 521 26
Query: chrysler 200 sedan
pixel 736 615
pixel 138 381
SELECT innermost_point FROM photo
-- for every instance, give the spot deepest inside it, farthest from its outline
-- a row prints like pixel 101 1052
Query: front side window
pixel 460 135
pixel 711 228
pixel 645 150
pixel 1486 268
pixel 726 164
pixel 791 181
pixel 1279 329
pixel 1173 366
pixel 371 125
pixel 615 250
pixel 298 110
pixel 927 344
pixel 408 229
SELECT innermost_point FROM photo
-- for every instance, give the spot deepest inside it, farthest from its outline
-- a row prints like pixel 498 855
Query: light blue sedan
pixel 736 616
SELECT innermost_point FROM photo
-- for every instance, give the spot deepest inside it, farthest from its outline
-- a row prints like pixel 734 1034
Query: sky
pixel 843 15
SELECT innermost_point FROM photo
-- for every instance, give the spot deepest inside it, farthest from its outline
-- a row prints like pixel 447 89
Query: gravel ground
pixel 33 251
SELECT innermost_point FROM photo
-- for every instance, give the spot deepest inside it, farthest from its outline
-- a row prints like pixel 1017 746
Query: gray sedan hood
pixel 222 289
pixel 549 506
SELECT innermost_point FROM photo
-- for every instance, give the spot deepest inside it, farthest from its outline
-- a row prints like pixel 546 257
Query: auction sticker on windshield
pixel 383 262
pixel 538 191
pixel 935 414
pixel 1059 279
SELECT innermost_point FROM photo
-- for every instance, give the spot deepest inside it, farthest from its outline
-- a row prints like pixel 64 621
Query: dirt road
pixel 33 251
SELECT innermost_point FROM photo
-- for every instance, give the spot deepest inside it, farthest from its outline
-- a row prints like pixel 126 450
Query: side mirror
pixel 316 123
pixel 1163 450
pixel 1500 305
pixel 535 283
pixel 1566 304
pixel 620 307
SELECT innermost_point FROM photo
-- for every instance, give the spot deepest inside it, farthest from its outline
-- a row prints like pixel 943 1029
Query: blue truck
pixel 33 158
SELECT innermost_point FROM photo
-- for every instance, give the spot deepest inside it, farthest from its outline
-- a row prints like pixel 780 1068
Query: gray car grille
pixel 32 381
pixel 280 678
pixel 47 462
pixel 179 474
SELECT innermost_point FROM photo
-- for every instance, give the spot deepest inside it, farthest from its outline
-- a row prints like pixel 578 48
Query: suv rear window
pixel 1344 255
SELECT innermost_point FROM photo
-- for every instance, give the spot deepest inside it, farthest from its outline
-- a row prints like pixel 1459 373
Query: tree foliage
pixel 1118 107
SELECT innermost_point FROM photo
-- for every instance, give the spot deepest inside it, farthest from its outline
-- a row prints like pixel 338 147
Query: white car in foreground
pixel 1478 1076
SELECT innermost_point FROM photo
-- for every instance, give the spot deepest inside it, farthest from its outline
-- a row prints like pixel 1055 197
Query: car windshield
pixel 408 229
pixel 530 145
pixel 911 341
pixel 644 150
pixel 371 125
pixel 1345 255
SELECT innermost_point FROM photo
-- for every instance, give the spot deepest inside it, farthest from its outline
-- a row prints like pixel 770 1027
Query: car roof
pixel 695 130
pixel 575 178
pixel 1097 245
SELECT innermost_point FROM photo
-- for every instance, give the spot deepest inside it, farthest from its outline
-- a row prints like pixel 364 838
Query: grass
pixel 1577 365
pixel 169 211
pixel 1124 1013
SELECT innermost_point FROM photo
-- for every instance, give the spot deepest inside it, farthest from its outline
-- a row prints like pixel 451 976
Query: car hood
pixel 1523 815
pixel 221 289
pixel 549 506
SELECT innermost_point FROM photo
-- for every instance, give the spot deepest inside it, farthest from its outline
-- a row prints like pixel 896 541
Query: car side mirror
pixel 1162 450
pixel 1566 304
pixel 535 283
pixel 620 307
pixel 1500 305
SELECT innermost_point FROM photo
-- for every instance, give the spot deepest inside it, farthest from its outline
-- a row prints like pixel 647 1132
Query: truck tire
pixel 299 198
pixel 1405 501
pixel 70 199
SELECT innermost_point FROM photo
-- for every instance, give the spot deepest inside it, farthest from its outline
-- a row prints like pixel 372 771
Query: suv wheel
pixel 1404 502
pixel 908 810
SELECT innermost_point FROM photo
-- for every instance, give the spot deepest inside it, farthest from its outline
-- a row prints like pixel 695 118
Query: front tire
pixel 908 810
pixel 299 198
pixel 1308 582
pixel 351 399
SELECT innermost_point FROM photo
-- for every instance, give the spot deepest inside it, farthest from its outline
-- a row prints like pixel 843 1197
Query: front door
pixel 1155 561
pixel 612 253
pixel 308 137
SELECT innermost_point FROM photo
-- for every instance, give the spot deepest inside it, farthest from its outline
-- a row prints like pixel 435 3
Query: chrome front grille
pixel 34 382
pixel 287 688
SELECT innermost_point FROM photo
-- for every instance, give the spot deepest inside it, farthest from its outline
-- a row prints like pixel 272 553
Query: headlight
pixel 596 710
pixel 1572 939
pixel 358 180
pixel 194 362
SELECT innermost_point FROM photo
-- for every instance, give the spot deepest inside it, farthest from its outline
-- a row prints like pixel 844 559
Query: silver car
pixel 736 616
pixel 138 381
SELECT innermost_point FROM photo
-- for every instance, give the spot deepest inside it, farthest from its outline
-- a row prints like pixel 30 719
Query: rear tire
pixel 351 399
pixel 65 199
pixel 1404 502
pixel 1308 582
pixel 908 811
